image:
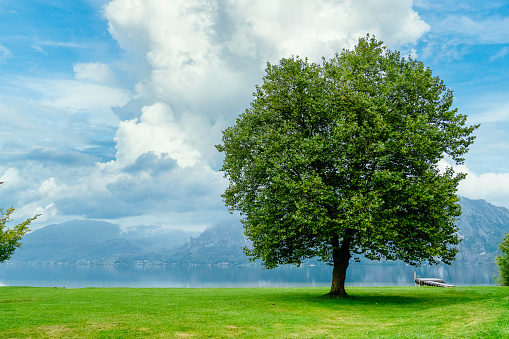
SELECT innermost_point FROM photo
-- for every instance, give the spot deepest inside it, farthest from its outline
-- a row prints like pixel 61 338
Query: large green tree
pixel 340 158
pixel 502 261
pixel 10 237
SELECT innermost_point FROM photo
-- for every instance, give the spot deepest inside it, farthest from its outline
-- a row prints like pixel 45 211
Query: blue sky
pixel 110 109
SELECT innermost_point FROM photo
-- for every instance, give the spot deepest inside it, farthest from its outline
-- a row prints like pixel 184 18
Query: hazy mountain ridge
pixel 91 241
pixel 221 243
pixel 482 227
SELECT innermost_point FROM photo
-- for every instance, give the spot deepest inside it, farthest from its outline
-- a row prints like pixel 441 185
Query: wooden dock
pixel 432 282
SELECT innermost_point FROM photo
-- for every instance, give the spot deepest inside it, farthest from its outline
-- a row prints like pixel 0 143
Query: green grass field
pixel 385 312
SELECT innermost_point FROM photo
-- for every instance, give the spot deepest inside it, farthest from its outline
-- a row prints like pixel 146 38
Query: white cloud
pixel 488 108
pixel 449 6
pixel 67 44
pixel 155 131
pixel 319 28
pixel 43 213
pixel 499 111
pixel 28 192
pixel 10 177
pixel 94 72
pixel 39 49
pixel 500 55
pixel 489 30
pixel 90 101
pixel 178 41
pixel 51 188
pixel 493 187
pixel 4 54
pixel 153 185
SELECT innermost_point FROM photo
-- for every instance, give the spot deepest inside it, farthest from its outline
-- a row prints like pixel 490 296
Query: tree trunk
pixel 341 258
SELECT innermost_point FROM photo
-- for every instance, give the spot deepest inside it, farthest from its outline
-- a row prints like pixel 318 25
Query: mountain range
pixel 91 241
pixel 481 226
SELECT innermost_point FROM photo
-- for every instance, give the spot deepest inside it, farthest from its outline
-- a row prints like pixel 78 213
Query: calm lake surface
pixel 76 276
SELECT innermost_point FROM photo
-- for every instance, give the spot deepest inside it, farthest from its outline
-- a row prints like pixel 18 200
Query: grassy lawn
pixel 385 312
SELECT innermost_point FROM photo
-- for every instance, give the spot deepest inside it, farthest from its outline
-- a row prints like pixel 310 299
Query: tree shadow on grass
pixel 410 298
pixel 353 299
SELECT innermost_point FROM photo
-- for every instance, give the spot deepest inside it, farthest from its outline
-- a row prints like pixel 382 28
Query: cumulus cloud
pixel 51 188
pixel 178 41
pixel 155 171
pixel 155 131
pixel 10 177
pixel 276 29
pixel 49 129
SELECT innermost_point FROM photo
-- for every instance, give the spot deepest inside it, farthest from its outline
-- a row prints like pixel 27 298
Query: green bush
pixel 10 238
pixel 503 262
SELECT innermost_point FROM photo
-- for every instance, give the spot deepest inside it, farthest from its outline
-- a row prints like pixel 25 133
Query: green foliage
pixel 10 238
pixel 394 312
pixel 346 153
pixel 502 261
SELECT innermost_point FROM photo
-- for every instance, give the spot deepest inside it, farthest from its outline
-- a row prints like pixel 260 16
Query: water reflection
pixel 73 276
pixel 400 274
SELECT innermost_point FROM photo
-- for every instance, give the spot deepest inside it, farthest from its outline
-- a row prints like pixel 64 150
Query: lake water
pixel 76 276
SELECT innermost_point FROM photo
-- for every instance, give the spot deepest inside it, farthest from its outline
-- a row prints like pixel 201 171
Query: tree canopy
pixel 341 158
pixel 10 238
